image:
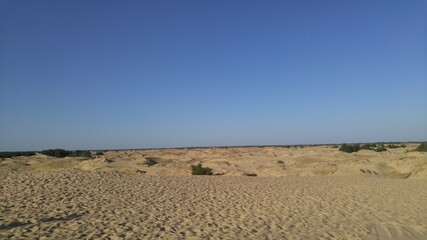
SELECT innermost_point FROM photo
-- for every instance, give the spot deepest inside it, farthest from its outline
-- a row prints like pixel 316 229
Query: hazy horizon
pixel 114 75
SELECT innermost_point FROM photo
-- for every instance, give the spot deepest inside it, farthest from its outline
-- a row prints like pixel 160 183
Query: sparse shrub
pixel 349 148
pixel 151 161
pixel 403 146
pixel 380 148
pixel 61 153
pixel 422 147
pixel 199 170
pixel 369 146
pixel 394 146
pixel 99 153
pixel 15 154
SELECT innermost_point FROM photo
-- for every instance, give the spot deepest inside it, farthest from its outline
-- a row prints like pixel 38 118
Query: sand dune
pixel 262 161
pixel 299 193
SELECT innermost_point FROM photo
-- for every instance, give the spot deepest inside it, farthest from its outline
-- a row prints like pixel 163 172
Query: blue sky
pixel 142 74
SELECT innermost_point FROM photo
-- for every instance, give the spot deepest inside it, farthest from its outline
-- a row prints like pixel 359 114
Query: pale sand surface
pixel 316 193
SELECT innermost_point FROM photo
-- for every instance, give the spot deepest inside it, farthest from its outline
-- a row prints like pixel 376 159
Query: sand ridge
pixel 239 161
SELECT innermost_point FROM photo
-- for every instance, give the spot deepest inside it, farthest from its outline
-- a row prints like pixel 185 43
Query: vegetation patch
pixel 15 154
pixel 422 147
pixel 199 170
pixel 61 153
pixel 380 148
pixel 396 146
pixel 369 146
pixel 349 148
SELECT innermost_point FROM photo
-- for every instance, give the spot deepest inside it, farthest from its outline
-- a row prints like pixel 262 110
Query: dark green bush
pixel 15 154
pixel 394 146
pixel 349 148
pixel 99 153
pixel 61 153
pixel 199 170
pixel 422 147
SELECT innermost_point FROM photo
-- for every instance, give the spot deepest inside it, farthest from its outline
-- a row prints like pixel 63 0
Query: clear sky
pixel 142 74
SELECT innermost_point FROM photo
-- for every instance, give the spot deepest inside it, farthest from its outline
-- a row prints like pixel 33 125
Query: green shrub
pixel 422 147
pixel 349 148
pixel 15 154
pixel 199 170
pixel 394 146
pixel 61 153
pixel 99 153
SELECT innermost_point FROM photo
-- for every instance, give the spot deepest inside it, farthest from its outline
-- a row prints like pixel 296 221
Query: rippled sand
pixel 76 204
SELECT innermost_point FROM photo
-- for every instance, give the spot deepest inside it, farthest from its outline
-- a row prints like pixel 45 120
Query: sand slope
pixel 75 204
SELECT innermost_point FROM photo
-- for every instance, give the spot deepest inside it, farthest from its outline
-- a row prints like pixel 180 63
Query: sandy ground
pixel 299 193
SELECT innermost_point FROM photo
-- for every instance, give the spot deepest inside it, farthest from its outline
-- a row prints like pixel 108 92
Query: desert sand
pixel 314 192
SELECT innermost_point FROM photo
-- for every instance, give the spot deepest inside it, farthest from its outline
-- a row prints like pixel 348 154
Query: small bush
pixel 394 146
pixel 349 148
pixel 199 170
pixel 99 153
pixel 422 147
pixel 15 154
